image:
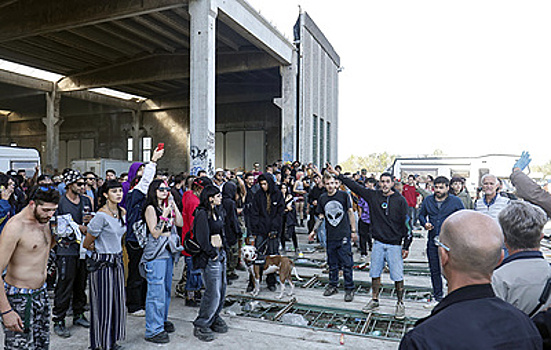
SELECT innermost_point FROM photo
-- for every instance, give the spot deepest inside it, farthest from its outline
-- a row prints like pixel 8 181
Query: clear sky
pixel 468 77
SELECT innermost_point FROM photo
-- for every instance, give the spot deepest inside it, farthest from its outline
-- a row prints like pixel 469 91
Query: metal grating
pixel 411 293
pixel 317 317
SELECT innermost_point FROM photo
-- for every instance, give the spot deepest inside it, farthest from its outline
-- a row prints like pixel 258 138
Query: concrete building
pixel 212 79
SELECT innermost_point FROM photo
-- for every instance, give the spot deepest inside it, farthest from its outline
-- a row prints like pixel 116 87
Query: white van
pixel 18 158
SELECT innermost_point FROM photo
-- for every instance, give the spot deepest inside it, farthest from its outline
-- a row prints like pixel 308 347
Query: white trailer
pixel 470 168
pixel 18 158
pixel 100 165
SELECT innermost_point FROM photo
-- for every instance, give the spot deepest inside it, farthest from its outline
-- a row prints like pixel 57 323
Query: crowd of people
pixel 489 254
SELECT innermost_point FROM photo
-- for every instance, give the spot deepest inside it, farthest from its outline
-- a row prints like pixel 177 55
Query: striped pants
pixel 107 303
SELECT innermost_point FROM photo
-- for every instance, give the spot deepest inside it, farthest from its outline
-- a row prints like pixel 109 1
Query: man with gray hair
pixel 523 275
pixel 491 202
pixel 471 316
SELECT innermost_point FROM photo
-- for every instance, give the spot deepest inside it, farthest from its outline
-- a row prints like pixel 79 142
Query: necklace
pixel 115 214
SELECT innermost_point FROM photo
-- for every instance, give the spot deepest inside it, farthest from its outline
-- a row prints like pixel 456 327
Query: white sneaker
pixel 400 313
pixel 371 305
pixel 430 305
pixel 363 258
pixel 139 313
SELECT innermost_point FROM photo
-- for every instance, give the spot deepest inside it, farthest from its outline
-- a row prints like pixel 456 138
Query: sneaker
pixel 219 326
pixel 161 338
pixel 330 290
pixel 61 330
pixel 139 313
pixel 250 288
pixel 204 334
pixel 370 306
pixel 80 320
pixel 363 258
pixel 169 327
pixel 430 305
pixel 233 276
pixel 349 295
pixel 400 313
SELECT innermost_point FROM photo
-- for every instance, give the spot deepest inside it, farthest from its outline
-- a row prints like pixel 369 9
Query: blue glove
pixel 523 161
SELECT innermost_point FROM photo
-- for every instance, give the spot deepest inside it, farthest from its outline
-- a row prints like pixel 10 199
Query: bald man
pixel 471 316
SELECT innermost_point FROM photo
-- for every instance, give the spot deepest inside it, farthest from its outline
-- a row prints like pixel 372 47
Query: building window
pixel 146 155
pixel 328 140
pixel 130 149
pixel 315 140
pixel 322 142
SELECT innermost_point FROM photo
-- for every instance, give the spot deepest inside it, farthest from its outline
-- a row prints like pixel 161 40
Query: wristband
pixel 6 312
pixel 163 218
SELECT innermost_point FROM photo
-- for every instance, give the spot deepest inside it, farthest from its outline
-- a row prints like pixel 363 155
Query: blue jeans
pixel 434 266
pixel 390 253
pixel 339 256
pixel 193 280
pixel 322 237
pixel 157 301
pixel 214 278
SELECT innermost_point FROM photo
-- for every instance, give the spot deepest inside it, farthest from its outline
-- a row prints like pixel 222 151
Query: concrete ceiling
pixel 135 46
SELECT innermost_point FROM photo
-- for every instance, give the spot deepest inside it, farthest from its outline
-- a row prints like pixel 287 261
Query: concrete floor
pixel 262 334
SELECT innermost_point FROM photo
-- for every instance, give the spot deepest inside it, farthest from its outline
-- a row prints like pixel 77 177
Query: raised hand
pixel 523 161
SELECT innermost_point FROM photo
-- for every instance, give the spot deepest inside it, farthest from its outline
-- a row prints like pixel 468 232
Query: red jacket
pixel 411 195
pixel 189 203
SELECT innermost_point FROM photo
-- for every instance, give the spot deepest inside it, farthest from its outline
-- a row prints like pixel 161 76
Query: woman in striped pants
pixel 106 277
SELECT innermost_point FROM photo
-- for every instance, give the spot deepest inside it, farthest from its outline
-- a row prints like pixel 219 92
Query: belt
pixel 27 293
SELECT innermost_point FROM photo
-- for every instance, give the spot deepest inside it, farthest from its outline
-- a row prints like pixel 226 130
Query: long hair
pixel 204 199
pixel 151 198
pixel 103 200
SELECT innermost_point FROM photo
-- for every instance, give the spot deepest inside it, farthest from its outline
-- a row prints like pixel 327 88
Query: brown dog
pixel 274 263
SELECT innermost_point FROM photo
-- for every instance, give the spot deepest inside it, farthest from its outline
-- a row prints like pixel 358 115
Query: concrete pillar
pixel 53 122
pixel 288 105
pixel 202 84
pixel 136 134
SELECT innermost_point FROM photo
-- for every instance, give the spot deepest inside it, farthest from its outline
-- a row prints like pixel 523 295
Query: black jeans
pixel 364 231
pixel 71 284
pixel 271 247
pixel 136 285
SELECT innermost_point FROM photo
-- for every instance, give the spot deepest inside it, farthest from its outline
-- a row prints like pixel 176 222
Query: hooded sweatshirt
pixel 267 208
pixel 388 214
pixel 127 184
pixel 231 223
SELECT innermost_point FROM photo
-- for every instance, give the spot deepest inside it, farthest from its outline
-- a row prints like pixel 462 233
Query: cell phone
pixel 160 146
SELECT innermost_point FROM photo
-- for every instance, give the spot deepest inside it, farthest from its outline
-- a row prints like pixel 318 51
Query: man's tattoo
pixel 317 224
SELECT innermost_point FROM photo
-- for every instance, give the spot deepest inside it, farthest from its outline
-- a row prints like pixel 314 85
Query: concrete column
pixel 53 122
pixel 202 84
pixel 288 105
pixel 136 134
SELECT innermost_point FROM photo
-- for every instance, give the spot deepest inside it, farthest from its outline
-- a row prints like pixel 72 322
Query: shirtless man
pixel 24 247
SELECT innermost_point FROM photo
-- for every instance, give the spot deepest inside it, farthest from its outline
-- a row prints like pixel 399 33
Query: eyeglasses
pixel 80 184
pixel 440 244
pixel 163 189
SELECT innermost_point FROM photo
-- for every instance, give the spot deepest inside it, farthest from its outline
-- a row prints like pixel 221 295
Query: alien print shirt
pixel 335 210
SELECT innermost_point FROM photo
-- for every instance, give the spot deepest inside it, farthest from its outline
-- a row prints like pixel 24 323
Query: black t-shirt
pixel 67 207
pixel 335 210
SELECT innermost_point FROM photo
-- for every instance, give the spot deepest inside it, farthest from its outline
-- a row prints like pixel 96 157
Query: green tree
pixel 374 163
pixel 544 169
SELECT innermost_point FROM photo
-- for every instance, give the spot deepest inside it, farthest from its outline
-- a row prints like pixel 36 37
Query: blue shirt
pixel 436 212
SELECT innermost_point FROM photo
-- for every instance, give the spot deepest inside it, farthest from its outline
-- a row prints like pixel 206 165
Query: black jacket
pixel 472 317
pixel 204 226
pixel 231 223
pixel 266 219
pixel 388 214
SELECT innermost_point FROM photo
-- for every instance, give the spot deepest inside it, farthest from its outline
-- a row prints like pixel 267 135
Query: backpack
pixel 140 231
pixel 191 246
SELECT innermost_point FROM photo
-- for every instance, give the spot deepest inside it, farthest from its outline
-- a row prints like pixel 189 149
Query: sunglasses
pixel 440 244
pixel 80 184
pixel 163 189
